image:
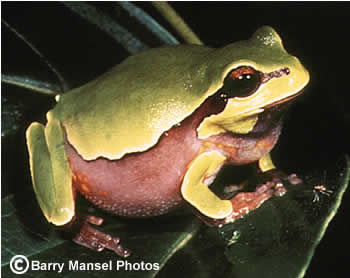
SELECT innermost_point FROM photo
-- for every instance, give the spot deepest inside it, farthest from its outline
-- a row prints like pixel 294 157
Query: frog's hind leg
pixel 50 171
pixel 52 181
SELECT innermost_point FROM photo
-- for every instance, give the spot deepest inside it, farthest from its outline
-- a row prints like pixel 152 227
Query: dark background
pixel 316 131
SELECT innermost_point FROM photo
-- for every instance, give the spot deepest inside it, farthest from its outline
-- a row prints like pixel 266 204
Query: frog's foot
pixel 278 176
pixel 90 237
pixel 244 202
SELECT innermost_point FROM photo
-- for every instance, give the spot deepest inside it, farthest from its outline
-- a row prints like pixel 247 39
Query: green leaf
pixel 153 241
pixel 17 238
pixel 276 240
pixel 282 235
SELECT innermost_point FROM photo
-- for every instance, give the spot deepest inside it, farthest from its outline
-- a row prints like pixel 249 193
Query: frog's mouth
pixel 283 102
pixel 272 115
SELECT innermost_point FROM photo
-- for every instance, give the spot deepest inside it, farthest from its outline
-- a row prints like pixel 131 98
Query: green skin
pixel 128 109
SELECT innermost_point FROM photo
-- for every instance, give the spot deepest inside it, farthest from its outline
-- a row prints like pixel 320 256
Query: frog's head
pixel 262 75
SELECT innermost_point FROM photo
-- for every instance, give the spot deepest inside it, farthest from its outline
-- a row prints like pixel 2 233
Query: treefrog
pixel 153 132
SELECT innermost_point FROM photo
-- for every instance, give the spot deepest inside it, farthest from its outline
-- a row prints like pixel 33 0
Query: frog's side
pixel 148 183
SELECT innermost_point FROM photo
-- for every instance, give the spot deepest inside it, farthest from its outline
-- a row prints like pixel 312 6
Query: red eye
pixel 241 82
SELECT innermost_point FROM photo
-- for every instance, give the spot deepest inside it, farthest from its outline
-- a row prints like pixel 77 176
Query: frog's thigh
pixel 197 193
pixel 50 171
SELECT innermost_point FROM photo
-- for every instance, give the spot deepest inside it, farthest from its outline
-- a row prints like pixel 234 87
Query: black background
pixel 316 131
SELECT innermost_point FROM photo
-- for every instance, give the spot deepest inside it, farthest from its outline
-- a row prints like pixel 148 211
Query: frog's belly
pixel 139 184
pixel 148 183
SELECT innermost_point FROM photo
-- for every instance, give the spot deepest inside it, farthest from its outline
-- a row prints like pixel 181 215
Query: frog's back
pixel 128 108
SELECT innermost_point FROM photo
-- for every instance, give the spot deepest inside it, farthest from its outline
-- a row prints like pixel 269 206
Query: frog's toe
pixel 294 179
pixel 244 202
pixel 92 238
pixel 277 176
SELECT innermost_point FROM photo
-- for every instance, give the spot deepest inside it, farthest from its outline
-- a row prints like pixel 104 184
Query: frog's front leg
pixel 52 182
pixel 195 189
pixel 208 207
pixel 270 183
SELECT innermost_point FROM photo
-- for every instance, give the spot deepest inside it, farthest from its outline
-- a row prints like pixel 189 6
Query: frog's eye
pixel 241 82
